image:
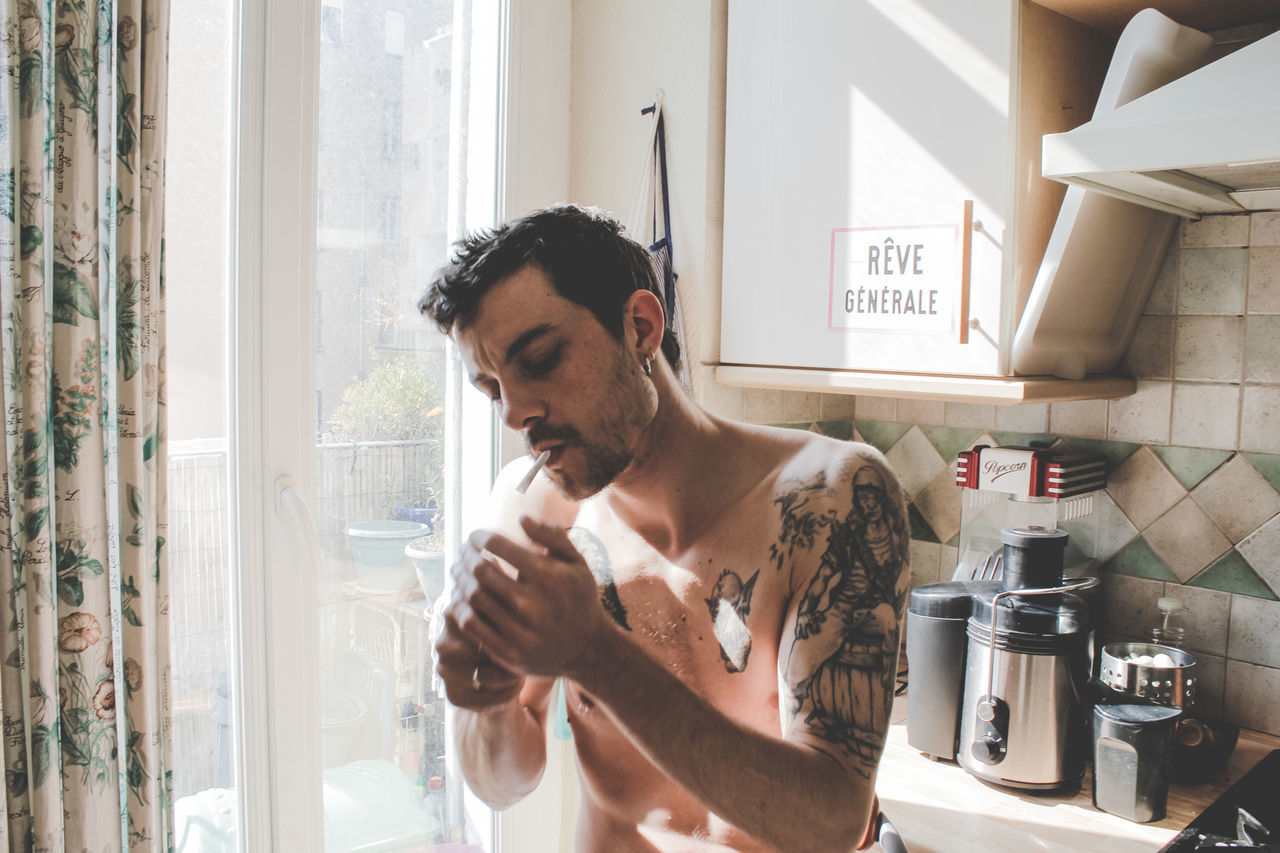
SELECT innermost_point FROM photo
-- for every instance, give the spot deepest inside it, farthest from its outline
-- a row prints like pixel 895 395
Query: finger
pixel 486 587
pixel 489 594
pixel 462 694
pixel 492 581
pixel 454 650
pixel 501 549
pixel 501 644
pixel 551 536
pixel 494 679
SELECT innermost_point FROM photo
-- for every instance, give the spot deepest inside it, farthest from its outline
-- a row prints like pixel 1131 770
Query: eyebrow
pixel 522 340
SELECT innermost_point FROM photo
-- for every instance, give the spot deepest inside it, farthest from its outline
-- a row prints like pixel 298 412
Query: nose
pixel 521 409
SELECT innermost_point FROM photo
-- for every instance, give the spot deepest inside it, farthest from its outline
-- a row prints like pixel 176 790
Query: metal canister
pixel 1125 670
pixel 937 617
pixel 1131 748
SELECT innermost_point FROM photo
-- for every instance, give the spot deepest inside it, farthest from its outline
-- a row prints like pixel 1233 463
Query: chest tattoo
pixel 597 559
pixel 730 602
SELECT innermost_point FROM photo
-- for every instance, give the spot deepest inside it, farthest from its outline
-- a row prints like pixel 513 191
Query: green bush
pixel 398 401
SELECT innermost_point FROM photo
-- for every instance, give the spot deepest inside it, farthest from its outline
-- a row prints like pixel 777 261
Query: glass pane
pixel 393 130
pixel 197 258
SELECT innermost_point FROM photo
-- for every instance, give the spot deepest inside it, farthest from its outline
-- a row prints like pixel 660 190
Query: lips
pixel 555 438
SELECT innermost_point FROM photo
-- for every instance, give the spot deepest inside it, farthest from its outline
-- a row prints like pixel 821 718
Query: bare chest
pixel 713 617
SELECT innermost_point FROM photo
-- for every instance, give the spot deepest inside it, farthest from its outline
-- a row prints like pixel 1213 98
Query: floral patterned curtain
pixel 84 672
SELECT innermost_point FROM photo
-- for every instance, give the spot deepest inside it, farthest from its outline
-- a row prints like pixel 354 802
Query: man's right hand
pixel 471 680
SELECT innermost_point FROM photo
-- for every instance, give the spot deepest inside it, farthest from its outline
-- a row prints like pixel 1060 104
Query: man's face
pixel 560 379
pixel 869 502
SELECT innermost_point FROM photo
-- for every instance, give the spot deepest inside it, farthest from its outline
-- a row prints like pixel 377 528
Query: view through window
pixel 392 193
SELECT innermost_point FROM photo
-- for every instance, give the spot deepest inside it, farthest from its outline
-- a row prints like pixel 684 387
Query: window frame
pixel 274 243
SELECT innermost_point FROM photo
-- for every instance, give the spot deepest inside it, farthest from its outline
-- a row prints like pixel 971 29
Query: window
pixel 306 713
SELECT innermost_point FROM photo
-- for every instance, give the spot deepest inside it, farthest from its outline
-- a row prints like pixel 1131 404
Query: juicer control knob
pixel 994 712
pixel 989 749
pixel 989 745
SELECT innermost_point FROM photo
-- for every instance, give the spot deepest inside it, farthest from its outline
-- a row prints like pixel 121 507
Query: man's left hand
pixel 547 620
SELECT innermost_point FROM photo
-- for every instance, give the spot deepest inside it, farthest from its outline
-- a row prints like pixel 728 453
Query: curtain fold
pixel 84 658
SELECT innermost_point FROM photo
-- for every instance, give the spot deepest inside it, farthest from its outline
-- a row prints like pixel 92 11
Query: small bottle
pixel 1168 632
pixel 437 810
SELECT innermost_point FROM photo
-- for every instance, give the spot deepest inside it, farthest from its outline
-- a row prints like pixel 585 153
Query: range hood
pixel 1208 142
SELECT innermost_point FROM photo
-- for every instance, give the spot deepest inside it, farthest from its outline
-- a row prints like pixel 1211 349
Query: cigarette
pixel 523 485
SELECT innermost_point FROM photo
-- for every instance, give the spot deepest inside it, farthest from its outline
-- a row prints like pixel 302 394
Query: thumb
pixel 551 536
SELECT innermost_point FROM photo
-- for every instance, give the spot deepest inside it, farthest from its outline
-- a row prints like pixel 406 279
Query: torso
pixel 729 658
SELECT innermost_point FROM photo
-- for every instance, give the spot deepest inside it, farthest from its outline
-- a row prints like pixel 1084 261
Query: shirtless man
pixel 723 601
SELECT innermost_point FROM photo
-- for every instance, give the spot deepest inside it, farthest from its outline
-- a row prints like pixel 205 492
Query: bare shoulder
pixel 541 500
pixel 817 494
pixel 836 462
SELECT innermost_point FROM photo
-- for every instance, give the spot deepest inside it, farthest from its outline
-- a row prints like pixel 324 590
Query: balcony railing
pixel 356 481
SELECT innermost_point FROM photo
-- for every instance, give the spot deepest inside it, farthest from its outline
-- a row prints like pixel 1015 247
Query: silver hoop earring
pixel 648 365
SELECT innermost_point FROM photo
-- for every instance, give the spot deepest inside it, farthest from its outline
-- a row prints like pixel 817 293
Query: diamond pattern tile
pixel 915 461
pixel 881 434
pixel 1115 529
pixel 985 439
pixel 949 441
pixel 1268 465
pixel 1262 549
pixel 1191 464
pixel 1237 498
pixel 921 531
pixel 1143 488
pixel 939 502
pixel 1138 560
pixel 1103 532
pixel 1232 573
pixel 1186 539
pixel 842 430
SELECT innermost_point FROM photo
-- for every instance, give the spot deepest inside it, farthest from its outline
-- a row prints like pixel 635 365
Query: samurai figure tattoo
pixel 848 614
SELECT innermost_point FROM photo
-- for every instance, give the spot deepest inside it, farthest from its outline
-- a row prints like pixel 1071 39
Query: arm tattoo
pixel 800 526
pixel 848 614
pixel 597 559
pixel 730 602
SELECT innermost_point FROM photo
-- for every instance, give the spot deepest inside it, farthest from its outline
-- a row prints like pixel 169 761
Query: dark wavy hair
pixel 584 251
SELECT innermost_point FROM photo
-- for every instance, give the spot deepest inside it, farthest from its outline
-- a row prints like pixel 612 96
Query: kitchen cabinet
pixel 885 218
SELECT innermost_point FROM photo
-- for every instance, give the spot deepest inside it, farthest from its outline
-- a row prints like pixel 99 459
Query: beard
pixel 622 414
pixel 603 465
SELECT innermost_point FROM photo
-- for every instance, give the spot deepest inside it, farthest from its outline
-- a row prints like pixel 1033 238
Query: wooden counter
pixel 937 807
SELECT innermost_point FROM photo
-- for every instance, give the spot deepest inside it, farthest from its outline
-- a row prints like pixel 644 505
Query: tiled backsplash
pixel 1192 505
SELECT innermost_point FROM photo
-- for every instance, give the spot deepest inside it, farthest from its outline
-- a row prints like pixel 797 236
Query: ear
pixel 642 316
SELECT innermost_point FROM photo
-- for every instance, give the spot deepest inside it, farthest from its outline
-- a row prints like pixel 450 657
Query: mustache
pixel 542 432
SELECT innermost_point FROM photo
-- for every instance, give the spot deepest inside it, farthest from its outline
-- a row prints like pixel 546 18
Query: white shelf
pixel 1001 391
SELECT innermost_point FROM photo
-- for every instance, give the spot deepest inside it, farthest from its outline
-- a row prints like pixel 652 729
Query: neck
pixel 682 476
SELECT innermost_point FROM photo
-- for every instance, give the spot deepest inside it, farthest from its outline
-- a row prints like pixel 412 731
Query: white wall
pixel 623 53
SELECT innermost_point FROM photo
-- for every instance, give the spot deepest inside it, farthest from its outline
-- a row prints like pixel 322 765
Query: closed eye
pixel 545 364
